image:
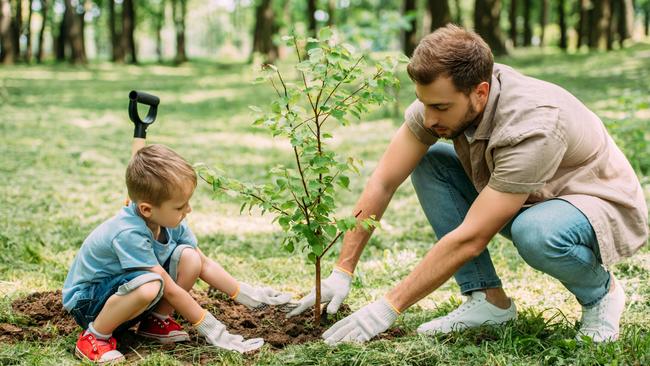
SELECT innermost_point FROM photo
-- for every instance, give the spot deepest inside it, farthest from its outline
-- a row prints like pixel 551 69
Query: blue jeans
pixel 552 236
pixel 93 298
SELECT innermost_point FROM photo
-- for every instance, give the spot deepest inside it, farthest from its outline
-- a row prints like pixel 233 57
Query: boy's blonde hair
pixel 155 173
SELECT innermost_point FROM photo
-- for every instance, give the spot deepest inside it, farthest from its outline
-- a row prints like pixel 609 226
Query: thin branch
pixel 350 96
pixel 253 195
pixel 335 239
pixel 304 79
pixel 341 82
pixel 276 89
pixel 302 207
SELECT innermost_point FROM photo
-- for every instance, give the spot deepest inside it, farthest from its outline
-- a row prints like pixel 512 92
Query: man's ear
pixel 483 91
pixel 145 209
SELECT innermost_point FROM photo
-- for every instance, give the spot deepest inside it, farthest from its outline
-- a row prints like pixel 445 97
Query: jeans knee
pixel 439 156
pixel 538 245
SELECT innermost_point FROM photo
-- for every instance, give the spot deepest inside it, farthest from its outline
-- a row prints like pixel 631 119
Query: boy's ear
pixel 145 209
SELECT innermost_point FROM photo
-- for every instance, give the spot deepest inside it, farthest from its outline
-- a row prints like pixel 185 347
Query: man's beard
pixel 468 120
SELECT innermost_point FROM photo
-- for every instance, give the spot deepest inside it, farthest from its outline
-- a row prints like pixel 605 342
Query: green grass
pixel 65 141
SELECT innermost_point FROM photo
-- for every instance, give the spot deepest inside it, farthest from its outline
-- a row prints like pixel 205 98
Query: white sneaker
pixel 601 321
pixel 474 312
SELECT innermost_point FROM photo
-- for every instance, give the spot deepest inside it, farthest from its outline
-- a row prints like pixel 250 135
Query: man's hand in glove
pixel 334 289
pixel 363 324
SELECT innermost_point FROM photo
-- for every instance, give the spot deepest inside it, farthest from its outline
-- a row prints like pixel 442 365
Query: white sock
pixel 97 335
pixel 159 316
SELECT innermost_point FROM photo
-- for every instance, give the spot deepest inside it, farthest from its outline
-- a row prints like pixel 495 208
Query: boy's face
pixel 170 213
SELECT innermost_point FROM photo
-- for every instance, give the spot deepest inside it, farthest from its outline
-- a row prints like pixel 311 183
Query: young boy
pixel 139 266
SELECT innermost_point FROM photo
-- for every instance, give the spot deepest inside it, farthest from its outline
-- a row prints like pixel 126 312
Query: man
pixel 530 161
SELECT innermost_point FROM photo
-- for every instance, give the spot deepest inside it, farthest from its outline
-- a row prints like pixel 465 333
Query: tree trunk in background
pixel 128 30
pixel 561 11
pixel 179 8
pixel 625 19
pixel 60 41
pixel 647 18
pixel 45 4
pixel 265 28
pixel 440 14
pixel 17 24
pixel 582 28
pixel 543 20
pixel 599 24
pixel 7 39
pixel 486 23
pixel 410 35
pixel 612 29
pixel 459 13
pixel 117 54
pixel 331 8
pixel 74 34
pixel 158 24
pixel 512 19
pixel 311 21
pixel 28 34
pixel 528 30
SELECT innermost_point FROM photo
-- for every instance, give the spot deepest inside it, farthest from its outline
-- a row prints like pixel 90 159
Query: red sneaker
pixel 97 350
pixel 164 331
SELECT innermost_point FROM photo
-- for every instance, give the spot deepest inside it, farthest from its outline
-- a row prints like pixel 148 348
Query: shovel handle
pixel 141 125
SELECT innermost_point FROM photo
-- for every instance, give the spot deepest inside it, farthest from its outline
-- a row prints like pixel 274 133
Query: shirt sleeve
pixel 414 119
pixel 134 250
pixel 526 166
pixel 185 235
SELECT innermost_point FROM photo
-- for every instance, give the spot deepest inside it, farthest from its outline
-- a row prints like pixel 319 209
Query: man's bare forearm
pixel 440 263
pixel 373 201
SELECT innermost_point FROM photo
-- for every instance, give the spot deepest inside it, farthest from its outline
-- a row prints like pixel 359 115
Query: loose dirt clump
pixel 42 317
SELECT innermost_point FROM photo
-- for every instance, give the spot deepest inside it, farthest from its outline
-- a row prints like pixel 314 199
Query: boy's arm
pixel 178 298
pixel 250 296
pixel 217 277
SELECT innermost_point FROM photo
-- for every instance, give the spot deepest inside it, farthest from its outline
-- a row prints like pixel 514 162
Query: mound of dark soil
pixel 45 318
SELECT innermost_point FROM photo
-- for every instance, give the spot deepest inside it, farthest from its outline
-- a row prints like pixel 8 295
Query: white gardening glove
pixel 257 297
pixel 334 289
pixel 216 334
pixel 363 324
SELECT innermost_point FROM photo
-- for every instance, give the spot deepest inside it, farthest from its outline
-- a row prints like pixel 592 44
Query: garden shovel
pixel 140 131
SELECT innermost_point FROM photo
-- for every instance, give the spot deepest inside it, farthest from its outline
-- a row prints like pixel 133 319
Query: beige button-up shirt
pixel 535 137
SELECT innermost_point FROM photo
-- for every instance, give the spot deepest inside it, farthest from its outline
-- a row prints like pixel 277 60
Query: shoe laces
pixel 469 303
pixel 96 343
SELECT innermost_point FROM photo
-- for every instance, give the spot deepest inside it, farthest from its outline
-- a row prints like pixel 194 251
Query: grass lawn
pixel 65 141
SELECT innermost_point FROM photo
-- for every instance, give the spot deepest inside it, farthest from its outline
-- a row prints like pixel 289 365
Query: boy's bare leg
pixel 122 308
pixel 189 268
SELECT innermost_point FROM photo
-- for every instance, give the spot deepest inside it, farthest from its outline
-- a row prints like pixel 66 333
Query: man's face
pixel 448 112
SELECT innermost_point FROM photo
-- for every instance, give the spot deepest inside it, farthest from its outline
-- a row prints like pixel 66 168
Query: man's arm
pixel 400 158
pixel 488 214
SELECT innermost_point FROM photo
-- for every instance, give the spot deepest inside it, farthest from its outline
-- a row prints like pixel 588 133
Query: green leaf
pixel 312 257
pixel 344 181
pixel 331 230
pixel 324 34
